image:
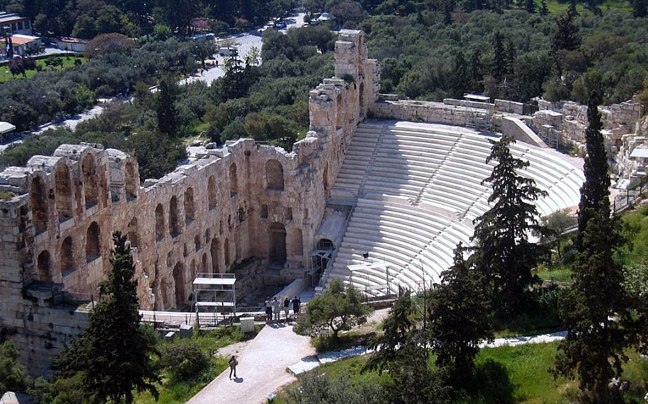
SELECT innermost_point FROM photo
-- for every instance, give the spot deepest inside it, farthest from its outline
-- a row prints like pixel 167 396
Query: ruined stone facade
pixel 243 200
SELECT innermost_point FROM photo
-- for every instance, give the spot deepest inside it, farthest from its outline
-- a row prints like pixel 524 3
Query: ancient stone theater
pixel 378 193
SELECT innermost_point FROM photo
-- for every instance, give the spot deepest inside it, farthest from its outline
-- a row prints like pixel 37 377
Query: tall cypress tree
pixel 503 251
pixel 113 351
pixel 459 319
pixel 595 307
pixel 167 115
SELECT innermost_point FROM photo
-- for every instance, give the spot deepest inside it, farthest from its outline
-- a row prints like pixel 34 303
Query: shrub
pixel 184 359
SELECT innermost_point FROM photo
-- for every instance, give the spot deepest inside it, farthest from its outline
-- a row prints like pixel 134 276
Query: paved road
pixel 261 370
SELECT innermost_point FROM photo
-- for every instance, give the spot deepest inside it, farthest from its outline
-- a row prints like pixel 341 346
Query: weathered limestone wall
pixel 244 200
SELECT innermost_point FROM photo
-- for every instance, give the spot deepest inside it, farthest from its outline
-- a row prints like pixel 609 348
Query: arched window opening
pixel 277 247
pixel 38 196
pixel 215 248
pixel 67 256
pixel 264 211
pixel 132 233
pixel 274 175
pixel 226 252
pixel 44 267
pixel 190 212
pixel 325 244
pixel 178 277
pixel 93 248
pixel 174 225
pixel 233 180
pixel 211 191
pixel 131 181
pixel 197 242
pixel 90 184
pixel 203 265
pixel 298 242
pixel 63 193
pixel 325 176
pixel 159 222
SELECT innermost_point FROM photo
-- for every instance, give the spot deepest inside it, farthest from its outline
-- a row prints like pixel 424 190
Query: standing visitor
pixel 286 307
pixel 268 308
pixel 232 364
pixel 276 305
pixel 295 303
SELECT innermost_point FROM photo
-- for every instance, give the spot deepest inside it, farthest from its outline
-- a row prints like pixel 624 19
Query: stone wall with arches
pixel 243 200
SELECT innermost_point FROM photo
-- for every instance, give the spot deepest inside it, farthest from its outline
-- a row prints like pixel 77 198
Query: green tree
pixel 398 328
pixel 498 67
pixel 167 115
pixel 339 308
pixel 459 79
pixel 595 307
pixel 556 224
pixel 503 251
pixel 459 318
pixel 12 373
pixel 113 352
pixel 567 34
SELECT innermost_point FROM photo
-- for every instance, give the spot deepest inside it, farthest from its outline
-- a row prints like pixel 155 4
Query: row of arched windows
pixel 92 252
pixel 63 193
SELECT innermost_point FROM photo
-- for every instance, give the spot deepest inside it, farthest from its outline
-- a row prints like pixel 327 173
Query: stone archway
pixel 63 193
pixel 298 242
pixel 277 243
pixel 38 199
pixel 175 227
pixel 43 262
pixel 159 222
pixel 90 185
pixel 211 191
pixel 179 280
pixel 274 175
pixel 190 211
pixel 93 247
pixel 215 255
pixel 67 256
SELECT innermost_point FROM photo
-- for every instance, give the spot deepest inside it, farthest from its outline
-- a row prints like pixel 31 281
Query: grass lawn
pixel 68 62
pixel 509 374
pixel 557 273
pixel 560 7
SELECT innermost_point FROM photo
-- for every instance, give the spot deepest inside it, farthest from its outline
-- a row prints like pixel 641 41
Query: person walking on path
pixel 296 303
pixel 268 308
pixel 286 307
pixel 276 305
pixel 232 364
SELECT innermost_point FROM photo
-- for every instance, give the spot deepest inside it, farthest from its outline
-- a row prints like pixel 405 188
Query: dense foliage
pixel 595 309
pixel 268 102
pixel 89 18
pixel 426 52
pixel 13 376
pixel 502 249
pixel 113 352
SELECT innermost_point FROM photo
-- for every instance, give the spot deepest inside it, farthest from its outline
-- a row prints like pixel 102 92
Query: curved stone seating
pixel 395 169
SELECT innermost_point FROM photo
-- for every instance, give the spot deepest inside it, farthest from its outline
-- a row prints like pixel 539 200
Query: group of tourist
pixel 274 307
